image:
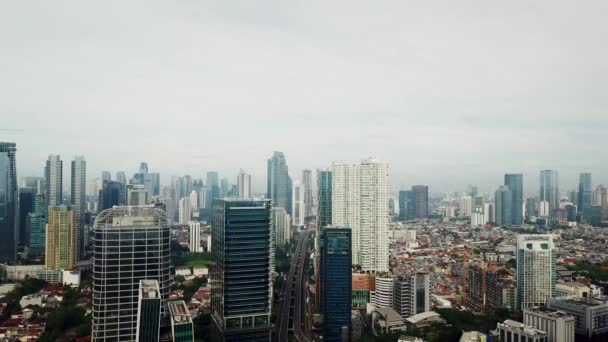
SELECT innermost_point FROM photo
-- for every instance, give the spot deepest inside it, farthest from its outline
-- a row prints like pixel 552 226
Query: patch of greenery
pixel 593 271
pixel 192 260
pixel 66 318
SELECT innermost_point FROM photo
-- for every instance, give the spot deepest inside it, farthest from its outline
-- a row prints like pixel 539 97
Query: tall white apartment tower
pixel 308 198
pixel 536 273
pixel 78 193
pixel 243 182
pixel 195 237
pixel 185 212
pixel 53 174
pixel 298 210
pixel 360 202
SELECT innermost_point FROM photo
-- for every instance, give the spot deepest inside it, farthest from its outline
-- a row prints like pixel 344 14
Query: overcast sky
pixel 449 93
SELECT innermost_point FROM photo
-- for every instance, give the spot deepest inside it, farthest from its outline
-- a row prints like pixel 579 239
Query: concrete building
pixel 308 191
pixel 195 237
pixel 281 227
pixel 385 320
pixel 382 296
pixel 182 328
pixel 536 270
pixel 130 244
pixel 466 205
pixel 193 197
pixel 78 201
pixel 421 201
pixel 185 212
pixel 279 182
pixel 411 294
pixel 590 315
pixel 572 289
pixel 423 321
pixel 516 331
pixel 489 213
pixel 298 207
pixel 549 189
pixel 360 201
pixel 53 173
pixel 137 195
pixel 243 182
pixel 558 325
pixel 60 238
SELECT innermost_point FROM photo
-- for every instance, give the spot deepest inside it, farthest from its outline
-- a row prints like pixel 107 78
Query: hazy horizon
pixel 447 93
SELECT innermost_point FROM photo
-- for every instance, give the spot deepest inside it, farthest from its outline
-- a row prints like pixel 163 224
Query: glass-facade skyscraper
pixel 585 192
pixel 26 206
pixel 37 226
pixel 504 206
pixel 421 201
pixel 324 183
pixel 111 193
pixel 337 283
pixel 130 244
pixel 241 283
pixel 515 182
pixel 9 225
pixel 78 200
pixel 549 189
pixel 279 182
pixel 407 205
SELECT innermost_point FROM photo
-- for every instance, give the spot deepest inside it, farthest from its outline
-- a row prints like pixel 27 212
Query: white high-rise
pixel 360 202
pixel 297 202
pixel 184 210
pixel 193 201
pixel 195 237
pixel 243 182
pixel 308 198
pixel 53 173
pixel 280 227
pixel 536 272
pixel 78 200
pixel 466 206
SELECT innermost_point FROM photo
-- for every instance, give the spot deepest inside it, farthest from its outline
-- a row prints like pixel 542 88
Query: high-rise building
pixel 489 213
pixel 515 182
pixel 337 283
pixel 213 188
pixel 504 205
pixel 308 198
pixel 411 294
pixel 137 195
pixel 111 194
pixel 185 212
pixel 407 205
pixel 121 177
pixel 549 188
pixel 279 183
pixel 193 201
pixel 241 283
pixel 421 201
pixel 61 241
pixel 544 209
pixel 281 227
pixel 78 201
pixel 148 311
pixel 298 209
pixel 601 199
pixel 26 206
pixel 476 290
pixel 243 182
pixel 195 237
pixel 585 193
pixel 382 296
pixel 106 176
pixel 324 185
pixel 9 208
pixel 536 272
pixel 182 328
pixel 36 183
pixel 530 208
pixel 130 244
pixel 53 173
pixel 37 226
pixel 466 205
pixel 360 202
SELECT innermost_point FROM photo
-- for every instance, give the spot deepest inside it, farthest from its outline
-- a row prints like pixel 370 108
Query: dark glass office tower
pixel 324 198
pixel 37 226
pixel 26 206
pixel 407 205
pixel 111 194
pixel 421 201
pixel 585 193
pixel 504 211
pixel 279 183
pixel 241 284
pixel 549 189
pixel 130 244
pixel 515 182
pixel 337 283
pixel 148 311
pixel 9 208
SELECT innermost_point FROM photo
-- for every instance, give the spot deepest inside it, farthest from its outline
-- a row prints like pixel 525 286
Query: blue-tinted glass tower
pixel 337 284
pixel 9 222
pixel 26 206
pixel 585 193
pixel 407 209
pixel 515 182
pixel 241 276
pixel 37 226
pixel 504 209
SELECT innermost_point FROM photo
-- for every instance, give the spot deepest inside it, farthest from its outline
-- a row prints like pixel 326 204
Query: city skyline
pixel 364 81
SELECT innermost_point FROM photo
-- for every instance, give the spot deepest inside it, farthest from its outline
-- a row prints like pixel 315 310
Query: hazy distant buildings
pixel 421 201
pixel 26 206
pixel 61 238
pixel 549 188
pixel 244 184
pixel 78 201
pixel 515 182
pixel 601 199
pixel 585 192
pixel 279 183
pixel 504 203
pixel 281 227
pixel 130 244
pixel 121 177
pixel 111 194
pixel 137 195
pixel 106 176
pixel 466 205
pixel 360 202
pixel 536 270
pixel 213 188
pixel 185 212
pixel 9 225
pixel 241 284
pixel 36 221
pixel 407 205
pixel 308 198
pixel 298 206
